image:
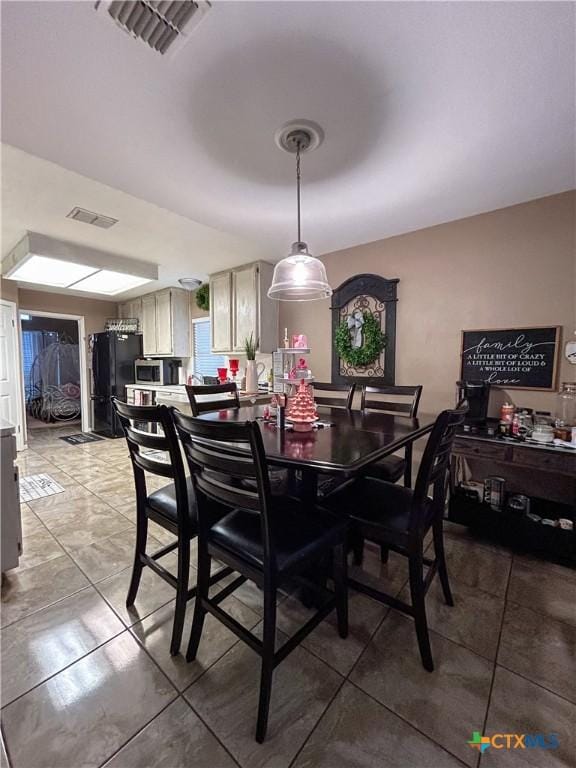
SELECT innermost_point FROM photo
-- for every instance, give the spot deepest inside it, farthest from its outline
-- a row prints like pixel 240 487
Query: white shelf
pixel 305 351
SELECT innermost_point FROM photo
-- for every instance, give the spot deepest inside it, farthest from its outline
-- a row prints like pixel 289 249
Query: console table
pixel 545 473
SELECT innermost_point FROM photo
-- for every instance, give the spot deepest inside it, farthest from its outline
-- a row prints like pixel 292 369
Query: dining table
pixel 342 444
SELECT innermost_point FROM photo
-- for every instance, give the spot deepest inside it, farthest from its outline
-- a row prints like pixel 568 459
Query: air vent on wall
pixel 89 217
pixel 161 24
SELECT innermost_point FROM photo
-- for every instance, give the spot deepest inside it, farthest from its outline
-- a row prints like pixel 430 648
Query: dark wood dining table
pixel 351 441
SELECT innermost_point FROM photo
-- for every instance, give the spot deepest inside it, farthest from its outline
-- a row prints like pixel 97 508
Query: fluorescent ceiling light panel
pixel 45 271
pixel 45 261
pixel 108 282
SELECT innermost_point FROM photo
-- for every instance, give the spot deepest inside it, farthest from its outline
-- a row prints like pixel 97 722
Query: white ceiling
pixel 37 195
pixel 432 111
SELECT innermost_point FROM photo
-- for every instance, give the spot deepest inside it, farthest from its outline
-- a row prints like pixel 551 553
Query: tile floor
pixel 85 682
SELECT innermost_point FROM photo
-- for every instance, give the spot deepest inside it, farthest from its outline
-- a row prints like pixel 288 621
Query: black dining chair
pixel 226 396
pixel 266 539
pixel 399 518
pixel 392 468
pixel 173 507
pixel 214 397
pixel 335 395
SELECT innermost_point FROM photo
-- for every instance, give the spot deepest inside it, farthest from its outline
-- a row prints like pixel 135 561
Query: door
pixel 164 323
pixel 149 324
pixel 245 301
pixel 9 369
pixel 221 312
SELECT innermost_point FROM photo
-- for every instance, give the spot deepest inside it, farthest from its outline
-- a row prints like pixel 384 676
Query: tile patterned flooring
pixel 86 682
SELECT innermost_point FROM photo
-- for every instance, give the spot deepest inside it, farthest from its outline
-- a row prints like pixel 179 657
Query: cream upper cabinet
pixel 221 311
pixel 149 344
pixel 245 305
pixel 165 323
pixel 132 309
pixel 164 337
pixel 239 306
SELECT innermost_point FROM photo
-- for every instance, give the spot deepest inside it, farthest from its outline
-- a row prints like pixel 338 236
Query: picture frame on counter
pixel 514 358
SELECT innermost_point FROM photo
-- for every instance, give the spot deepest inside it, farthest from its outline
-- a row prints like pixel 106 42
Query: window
pixel 205 363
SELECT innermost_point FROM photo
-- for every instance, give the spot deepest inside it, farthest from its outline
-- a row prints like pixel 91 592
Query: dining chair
pixel 343 397
pixel 281 479
pixel 222 396
pixel 173 506
pixel 343 401
pixel 266 539
pixel 399 518
pixel 392 468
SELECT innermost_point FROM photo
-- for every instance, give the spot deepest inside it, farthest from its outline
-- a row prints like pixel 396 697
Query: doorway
pixel 54 374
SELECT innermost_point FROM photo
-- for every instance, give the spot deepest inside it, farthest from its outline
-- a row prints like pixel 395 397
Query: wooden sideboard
pixel 547 474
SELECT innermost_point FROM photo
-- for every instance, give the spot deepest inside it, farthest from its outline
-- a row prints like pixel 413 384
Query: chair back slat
pixel 145 448
pixel 379 403
pixel 212 457
pixel 146 439
pixel 346 390
pixel 223 396
pixel 163 469
pixel 434 468
pixel 237 497
pixel 220 472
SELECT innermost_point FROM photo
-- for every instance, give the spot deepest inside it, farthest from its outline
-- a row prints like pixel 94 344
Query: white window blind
pixel 205 363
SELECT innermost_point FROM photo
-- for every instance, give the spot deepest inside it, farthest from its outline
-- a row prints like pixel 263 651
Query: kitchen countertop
pixel 178 388
pixel 6 428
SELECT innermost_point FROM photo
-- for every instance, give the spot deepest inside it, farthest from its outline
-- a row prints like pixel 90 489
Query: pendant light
pixel 300 276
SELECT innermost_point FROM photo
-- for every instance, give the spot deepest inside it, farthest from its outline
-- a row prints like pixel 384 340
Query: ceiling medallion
pixel 300 276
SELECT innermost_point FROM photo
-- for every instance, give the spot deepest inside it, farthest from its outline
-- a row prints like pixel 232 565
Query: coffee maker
pixel 475 395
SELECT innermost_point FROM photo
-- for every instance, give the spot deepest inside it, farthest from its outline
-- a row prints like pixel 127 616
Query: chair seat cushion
pixel 374 504
pixel 390 468
pixel 163 502
pixel 300 533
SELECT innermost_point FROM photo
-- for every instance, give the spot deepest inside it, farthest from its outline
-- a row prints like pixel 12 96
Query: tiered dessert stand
pixel 287 359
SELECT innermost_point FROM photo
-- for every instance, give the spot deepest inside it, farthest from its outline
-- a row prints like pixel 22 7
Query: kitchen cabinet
pixel 149 324
pixel 11 524
pixel 132 309
pixel 221 312
pixel 239 306
pixel 166 323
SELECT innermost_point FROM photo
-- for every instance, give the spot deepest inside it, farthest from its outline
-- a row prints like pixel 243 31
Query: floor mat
pixel 38 486
pixel 80 438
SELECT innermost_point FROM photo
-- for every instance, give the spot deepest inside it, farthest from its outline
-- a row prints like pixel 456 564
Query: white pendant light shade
pixel 299 277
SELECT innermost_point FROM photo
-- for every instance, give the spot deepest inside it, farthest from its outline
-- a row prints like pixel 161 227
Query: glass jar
pixel 566 405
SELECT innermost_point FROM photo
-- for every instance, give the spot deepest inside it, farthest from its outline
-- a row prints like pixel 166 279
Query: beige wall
pixel 8 290
pixel 195 311
pixel 508 268
pixel 95 311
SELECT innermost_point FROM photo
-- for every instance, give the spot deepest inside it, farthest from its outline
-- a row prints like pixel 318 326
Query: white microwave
pixel 159 372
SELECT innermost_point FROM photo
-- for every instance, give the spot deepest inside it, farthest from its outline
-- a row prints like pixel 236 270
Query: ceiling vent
pixel 89 217
pixel 162 24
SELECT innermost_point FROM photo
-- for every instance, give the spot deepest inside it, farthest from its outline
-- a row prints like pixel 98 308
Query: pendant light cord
pixel 298 187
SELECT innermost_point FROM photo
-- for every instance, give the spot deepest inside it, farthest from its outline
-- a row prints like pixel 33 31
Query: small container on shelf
pixel 543 433
pixel 566 405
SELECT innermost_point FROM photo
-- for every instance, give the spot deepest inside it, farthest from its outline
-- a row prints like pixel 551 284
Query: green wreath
pixel 203 297
pixel 374 342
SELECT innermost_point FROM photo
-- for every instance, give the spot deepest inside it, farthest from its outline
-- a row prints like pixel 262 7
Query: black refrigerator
pixel 113 356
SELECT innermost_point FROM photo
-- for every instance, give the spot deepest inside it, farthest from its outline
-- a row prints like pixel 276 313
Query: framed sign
pixel 520 358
